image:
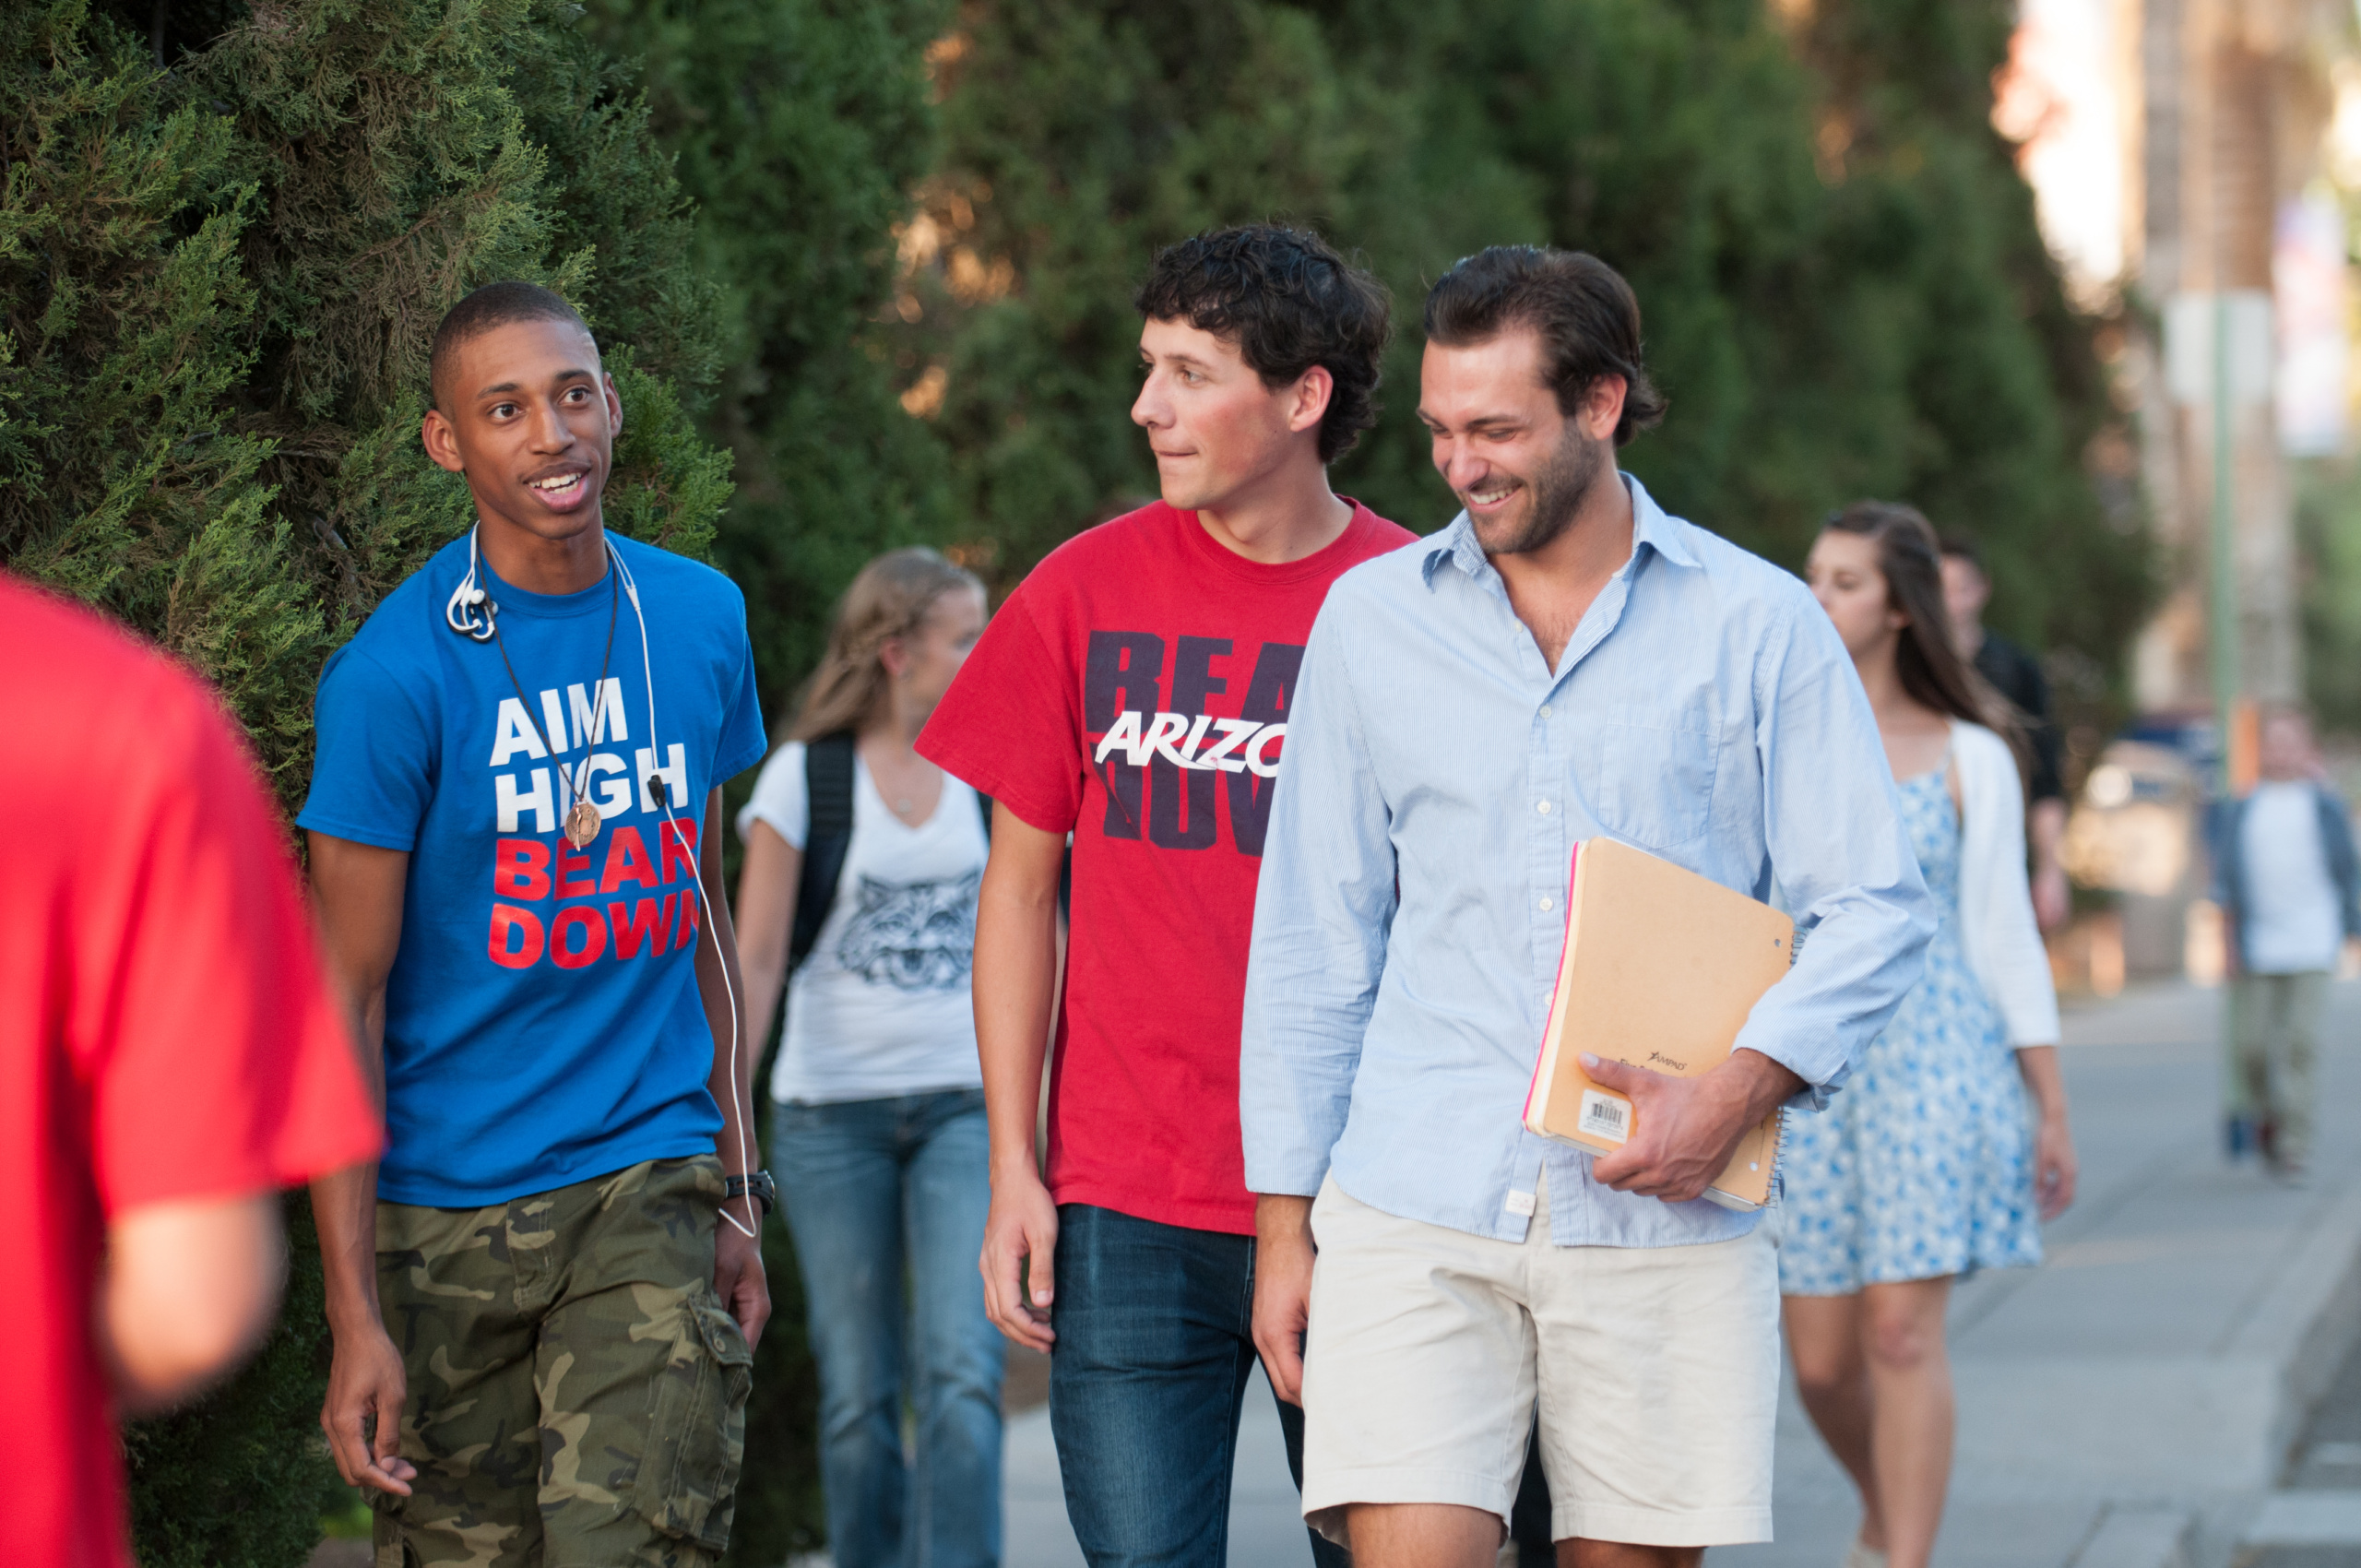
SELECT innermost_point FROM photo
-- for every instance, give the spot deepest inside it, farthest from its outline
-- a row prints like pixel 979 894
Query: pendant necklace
pixel 581 818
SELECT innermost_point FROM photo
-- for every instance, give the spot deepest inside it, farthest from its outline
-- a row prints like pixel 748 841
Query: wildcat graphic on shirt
pixel 912 936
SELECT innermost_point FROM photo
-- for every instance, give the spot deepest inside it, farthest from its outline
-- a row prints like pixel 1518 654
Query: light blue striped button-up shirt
pixel 1410 915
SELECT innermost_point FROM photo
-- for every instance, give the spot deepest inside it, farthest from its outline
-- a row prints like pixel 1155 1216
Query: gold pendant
pixel 582 824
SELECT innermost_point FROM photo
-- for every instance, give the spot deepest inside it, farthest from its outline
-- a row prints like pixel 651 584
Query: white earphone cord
pixel 664 802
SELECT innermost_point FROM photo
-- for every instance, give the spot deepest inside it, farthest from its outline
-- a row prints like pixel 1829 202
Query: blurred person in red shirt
pixel 170 1057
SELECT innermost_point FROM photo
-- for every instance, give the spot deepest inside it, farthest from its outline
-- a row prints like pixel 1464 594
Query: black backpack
pixel 827 783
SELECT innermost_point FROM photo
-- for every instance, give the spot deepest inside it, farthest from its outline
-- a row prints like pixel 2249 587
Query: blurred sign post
pixel 2218 357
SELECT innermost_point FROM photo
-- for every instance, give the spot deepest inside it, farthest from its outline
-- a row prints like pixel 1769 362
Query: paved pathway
pixel 2154 1375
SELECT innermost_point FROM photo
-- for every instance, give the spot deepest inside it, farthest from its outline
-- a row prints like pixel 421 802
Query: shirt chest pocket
pixel 1652 775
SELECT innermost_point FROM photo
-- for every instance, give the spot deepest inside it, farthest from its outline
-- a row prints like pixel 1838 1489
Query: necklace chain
pixel 575 782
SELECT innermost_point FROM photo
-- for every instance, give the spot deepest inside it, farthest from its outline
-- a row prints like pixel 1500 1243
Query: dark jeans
pixel 881 1192
pixel 1156 1343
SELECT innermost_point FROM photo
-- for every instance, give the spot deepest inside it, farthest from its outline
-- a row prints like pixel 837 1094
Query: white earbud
pixel 461 610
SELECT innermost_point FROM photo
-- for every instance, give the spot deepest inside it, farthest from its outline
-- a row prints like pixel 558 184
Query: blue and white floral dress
pixel 1922 1164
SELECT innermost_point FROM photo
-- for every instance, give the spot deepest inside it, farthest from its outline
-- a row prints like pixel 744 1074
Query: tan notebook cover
pixel 1661 967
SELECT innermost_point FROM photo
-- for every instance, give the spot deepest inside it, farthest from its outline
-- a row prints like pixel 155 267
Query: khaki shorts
pixel 1656 1370
pixel 577 1392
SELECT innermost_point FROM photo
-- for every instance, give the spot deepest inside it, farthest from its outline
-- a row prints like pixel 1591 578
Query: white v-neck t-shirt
pixel 881 1006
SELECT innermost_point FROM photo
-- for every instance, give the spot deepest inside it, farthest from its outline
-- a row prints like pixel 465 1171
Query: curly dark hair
pixel 1288 302
pixel 494 304
pixel 1588 318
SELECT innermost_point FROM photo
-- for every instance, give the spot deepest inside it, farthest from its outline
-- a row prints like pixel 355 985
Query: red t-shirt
pixel 1135 692
pixel 165 1032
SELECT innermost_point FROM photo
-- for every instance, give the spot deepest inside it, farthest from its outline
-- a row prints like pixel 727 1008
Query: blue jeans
pixel 1156 1343
pixel 877 1192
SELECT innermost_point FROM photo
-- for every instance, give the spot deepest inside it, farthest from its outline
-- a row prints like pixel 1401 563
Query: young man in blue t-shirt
pixel 544 1300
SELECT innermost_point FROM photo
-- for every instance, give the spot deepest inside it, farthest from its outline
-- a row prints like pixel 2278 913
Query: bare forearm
pixel 765 923
pixel 1282 1218
pixel 1760 1084
pixel 344 1203
pixel 2038 1064
pixel 1016 972
pixel 732 1081
pixel 344 1208
pixel 2046 825
pixel 722 987
pixel 189 1288
pixel 763 982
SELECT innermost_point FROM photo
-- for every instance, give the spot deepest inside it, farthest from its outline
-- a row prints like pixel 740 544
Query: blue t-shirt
pixel 542 1021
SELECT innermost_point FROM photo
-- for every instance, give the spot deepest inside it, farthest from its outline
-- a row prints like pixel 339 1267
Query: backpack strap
pixel 827 783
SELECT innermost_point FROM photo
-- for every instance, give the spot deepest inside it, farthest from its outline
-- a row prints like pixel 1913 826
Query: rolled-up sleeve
pixel 1832 828
pixel 1323 909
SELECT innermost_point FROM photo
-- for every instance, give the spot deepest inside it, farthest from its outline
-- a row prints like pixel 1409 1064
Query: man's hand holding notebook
pixel 1661 967
pixel 1685 1130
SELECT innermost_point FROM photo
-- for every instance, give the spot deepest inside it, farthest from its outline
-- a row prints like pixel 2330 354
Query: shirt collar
pixel 1651 527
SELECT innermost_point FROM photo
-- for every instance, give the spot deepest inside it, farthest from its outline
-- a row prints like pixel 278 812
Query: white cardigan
pixel 1996 923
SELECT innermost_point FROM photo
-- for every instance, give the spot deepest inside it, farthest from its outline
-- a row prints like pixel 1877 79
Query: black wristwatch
pixel 765 1191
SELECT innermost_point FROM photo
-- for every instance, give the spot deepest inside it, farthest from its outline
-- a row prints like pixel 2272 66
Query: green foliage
pixel 2328 536
pixel 799 128
pixel 1845 289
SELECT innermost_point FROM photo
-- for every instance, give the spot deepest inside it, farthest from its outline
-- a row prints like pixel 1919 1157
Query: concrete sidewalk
pixel 2140 1393
pixel 2134 1398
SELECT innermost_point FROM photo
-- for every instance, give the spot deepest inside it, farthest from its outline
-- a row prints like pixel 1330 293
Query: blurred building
pixel 2187 157
pixel 2186 154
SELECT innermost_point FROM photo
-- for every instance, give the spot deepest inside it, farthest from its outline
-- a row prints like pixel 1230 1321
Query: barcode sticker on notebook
pixel 1604 1116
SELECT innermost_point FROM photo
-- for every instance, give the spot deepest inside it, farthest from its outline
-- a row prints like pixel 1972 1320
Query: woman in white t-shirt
pixel 878 1133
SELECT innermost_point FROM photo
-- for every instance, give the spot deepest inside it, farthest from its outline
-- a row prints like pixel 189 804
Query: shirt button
pixel 1544 710
pixel 1549 903
pixel 1543 808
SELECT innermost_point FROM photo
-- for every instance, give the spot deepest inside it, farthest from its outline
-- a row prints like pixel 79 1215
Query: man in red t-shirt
pixel 169 1058
pixel 1134 692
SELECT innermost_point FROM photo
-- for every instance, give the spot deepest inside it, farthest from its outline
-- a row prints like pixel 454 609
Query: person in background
pixel 171 1055
pixel 2286 879
pixel 863 861
pixel 1136 691
pixel 1925 1167
pixel 2016 675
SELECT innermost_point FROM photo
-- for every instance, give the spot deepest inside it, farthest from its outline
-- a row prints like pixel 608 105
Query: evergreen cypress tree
pixel 799 128
pixel 225 235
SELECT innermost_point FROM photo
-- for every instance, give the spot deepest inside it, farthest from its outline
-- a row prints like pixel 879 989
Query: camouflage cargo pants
pixel 577 1392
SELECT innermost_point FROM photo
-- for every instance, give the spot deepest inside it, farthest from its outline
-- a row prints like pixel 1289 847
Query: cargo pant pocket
pixel 697 1439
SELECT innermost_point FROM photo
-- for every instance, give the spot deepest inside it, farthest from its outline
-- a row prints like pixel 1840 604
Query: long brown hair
pixel 1911 560
pixel 889 598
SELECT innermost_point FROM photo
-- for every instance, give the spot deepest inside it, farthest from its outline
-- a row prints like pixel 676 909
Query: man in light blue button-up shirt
pixel 1564 662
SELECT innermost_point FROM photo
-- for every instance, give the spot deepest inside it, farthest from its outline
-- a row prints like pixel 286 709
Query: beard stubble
pixel 1558 491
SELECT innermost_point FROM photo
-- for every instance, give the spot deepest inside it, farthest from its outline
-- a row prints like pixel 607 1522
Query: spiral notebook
pixel 1661 967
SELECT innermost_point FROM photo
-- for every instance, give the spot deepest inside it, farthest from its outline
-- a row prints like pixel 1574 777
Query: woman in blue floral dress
pixel 1927 1163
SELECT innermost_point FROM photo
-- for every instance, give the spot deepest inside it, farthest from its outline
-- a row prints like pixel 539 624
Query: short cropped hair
pixel 1288 302
pixel 494 304
pixel 1587 317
